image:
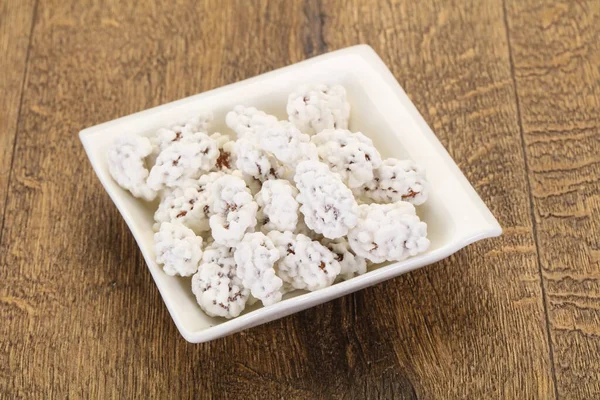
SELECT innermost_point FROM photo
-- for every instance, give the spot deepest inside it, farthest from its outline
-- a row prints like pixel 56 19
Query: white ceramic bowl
pixel 454 213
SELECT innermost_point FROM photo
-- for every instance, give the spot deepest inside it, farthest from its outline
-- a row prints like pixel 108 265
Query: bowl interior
pixel 376 111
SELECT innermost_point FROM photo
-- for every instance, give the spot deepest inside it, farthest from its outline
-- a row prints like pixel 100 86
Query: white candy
pixel 396 180
pixel 162 213
pixel 220 138
pixel 248 120
pixel 127 165
pixel 287 144
pixel 218 192
pixel 199 123
pixel 233 208
pixel 178 249
pixel 351 264
pixel 218 254
pixel 278 206
pixel 328 205
pixel 352 155
pixel 218 290
pixel 303 263
pixel 255 162
pixel 255 256
pixel 226 161
pixel 190 204
pixel 183 160
pixel 388 232
pixel 314 108
pixel 179 131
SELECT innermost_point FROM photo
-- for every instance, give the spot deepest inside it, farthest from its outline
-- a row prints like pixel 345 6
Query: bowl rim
pixel 487 227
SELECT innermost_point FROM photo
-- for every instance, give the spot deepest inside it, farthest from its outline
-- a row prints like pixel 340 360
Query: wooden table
pixel 511 88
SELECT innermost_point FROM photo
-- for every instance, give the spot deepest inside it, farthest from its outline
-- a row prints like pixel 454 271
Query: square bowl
pixel 455 215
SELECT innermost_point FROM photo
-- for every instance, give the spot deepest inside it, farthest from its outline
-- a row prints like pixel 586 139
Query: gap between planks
pixel 530 197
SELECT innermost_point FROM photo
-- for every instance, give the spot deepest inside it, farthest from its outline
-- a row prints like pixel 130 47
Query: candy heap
pixel 287 205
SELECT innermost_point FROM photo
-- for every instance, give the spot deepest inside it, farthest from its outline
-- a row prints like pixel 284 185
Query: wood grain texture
pixel 16 19
pixel 452 58
pixel 81 316
pixel 556 55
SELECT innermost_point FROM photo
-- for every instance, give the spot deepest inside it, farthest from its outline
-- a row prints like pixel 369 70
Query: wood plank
pixel 467 323
pixel 557 71
pixel 83 316
pixel 16 19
